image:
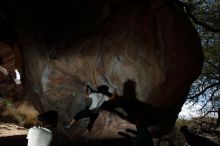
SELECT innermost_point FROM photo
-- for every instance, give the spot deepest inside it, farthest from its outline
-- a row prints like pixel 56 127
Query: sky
pixel 188 111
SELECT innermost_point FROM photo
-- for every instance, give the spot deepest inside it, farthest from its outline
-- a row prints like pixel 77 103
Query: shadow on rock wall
pixel 139 113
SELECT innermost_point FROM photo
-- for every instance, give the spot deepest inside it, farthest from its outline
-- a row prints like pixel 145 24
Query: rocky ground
pixel 24 115
pixel 12 135
pixel 7 130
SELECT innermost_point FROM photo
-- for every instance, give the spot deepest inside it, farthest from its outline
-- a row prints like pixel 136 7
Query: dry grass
pixel 22 114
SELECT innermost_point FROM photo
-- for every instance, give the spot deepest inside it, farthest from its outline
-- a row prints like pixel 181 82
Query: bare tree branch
pixel 195 20
pixel 213 65
pixel 204 90
pixel 210 99
pixel 208 112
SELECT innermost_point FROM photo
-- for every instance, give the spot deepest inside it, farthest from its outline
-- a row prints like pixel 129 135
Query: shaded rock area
pixel 11 60
pixel 147 50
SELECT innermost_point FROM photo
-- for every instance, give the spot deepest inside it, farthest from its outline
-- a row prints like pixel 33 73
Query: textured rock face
pixel 152 44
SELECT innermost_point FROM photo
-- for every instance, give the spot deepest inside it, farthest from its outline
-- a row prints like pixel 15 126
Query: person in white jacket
pixel 39 136
pixel 17 78
pixel 44 135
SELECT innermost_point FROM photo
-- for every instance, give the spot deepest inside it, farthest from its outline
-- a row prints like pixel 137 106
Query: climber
pixel 195 140
pixel 17 78
pixel 2 69
pixel 5 72
pixel 92 111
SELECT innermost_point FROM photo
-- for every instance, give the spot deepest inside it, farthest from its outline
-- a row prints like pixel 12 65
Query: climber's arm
pixel 3 70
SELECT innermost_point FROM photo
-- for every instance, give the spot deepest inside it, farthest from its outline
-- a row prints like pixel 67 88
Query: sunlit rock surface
pixel 152 44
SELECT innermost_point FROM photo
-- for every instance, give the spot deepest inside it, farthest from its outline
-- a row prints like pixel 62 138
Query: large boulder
pixel 150 44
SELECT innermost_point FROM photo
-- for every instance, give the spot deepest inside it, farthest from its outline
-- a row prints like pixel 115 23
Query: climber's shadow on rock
pixel 140 113
pixel 140 137
pixel 126 102
pixel 129 134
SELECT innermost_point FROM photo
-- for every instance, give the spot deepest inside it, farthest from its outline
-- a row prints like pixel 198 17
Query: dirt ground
pixel 7 130
pixel 12 135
